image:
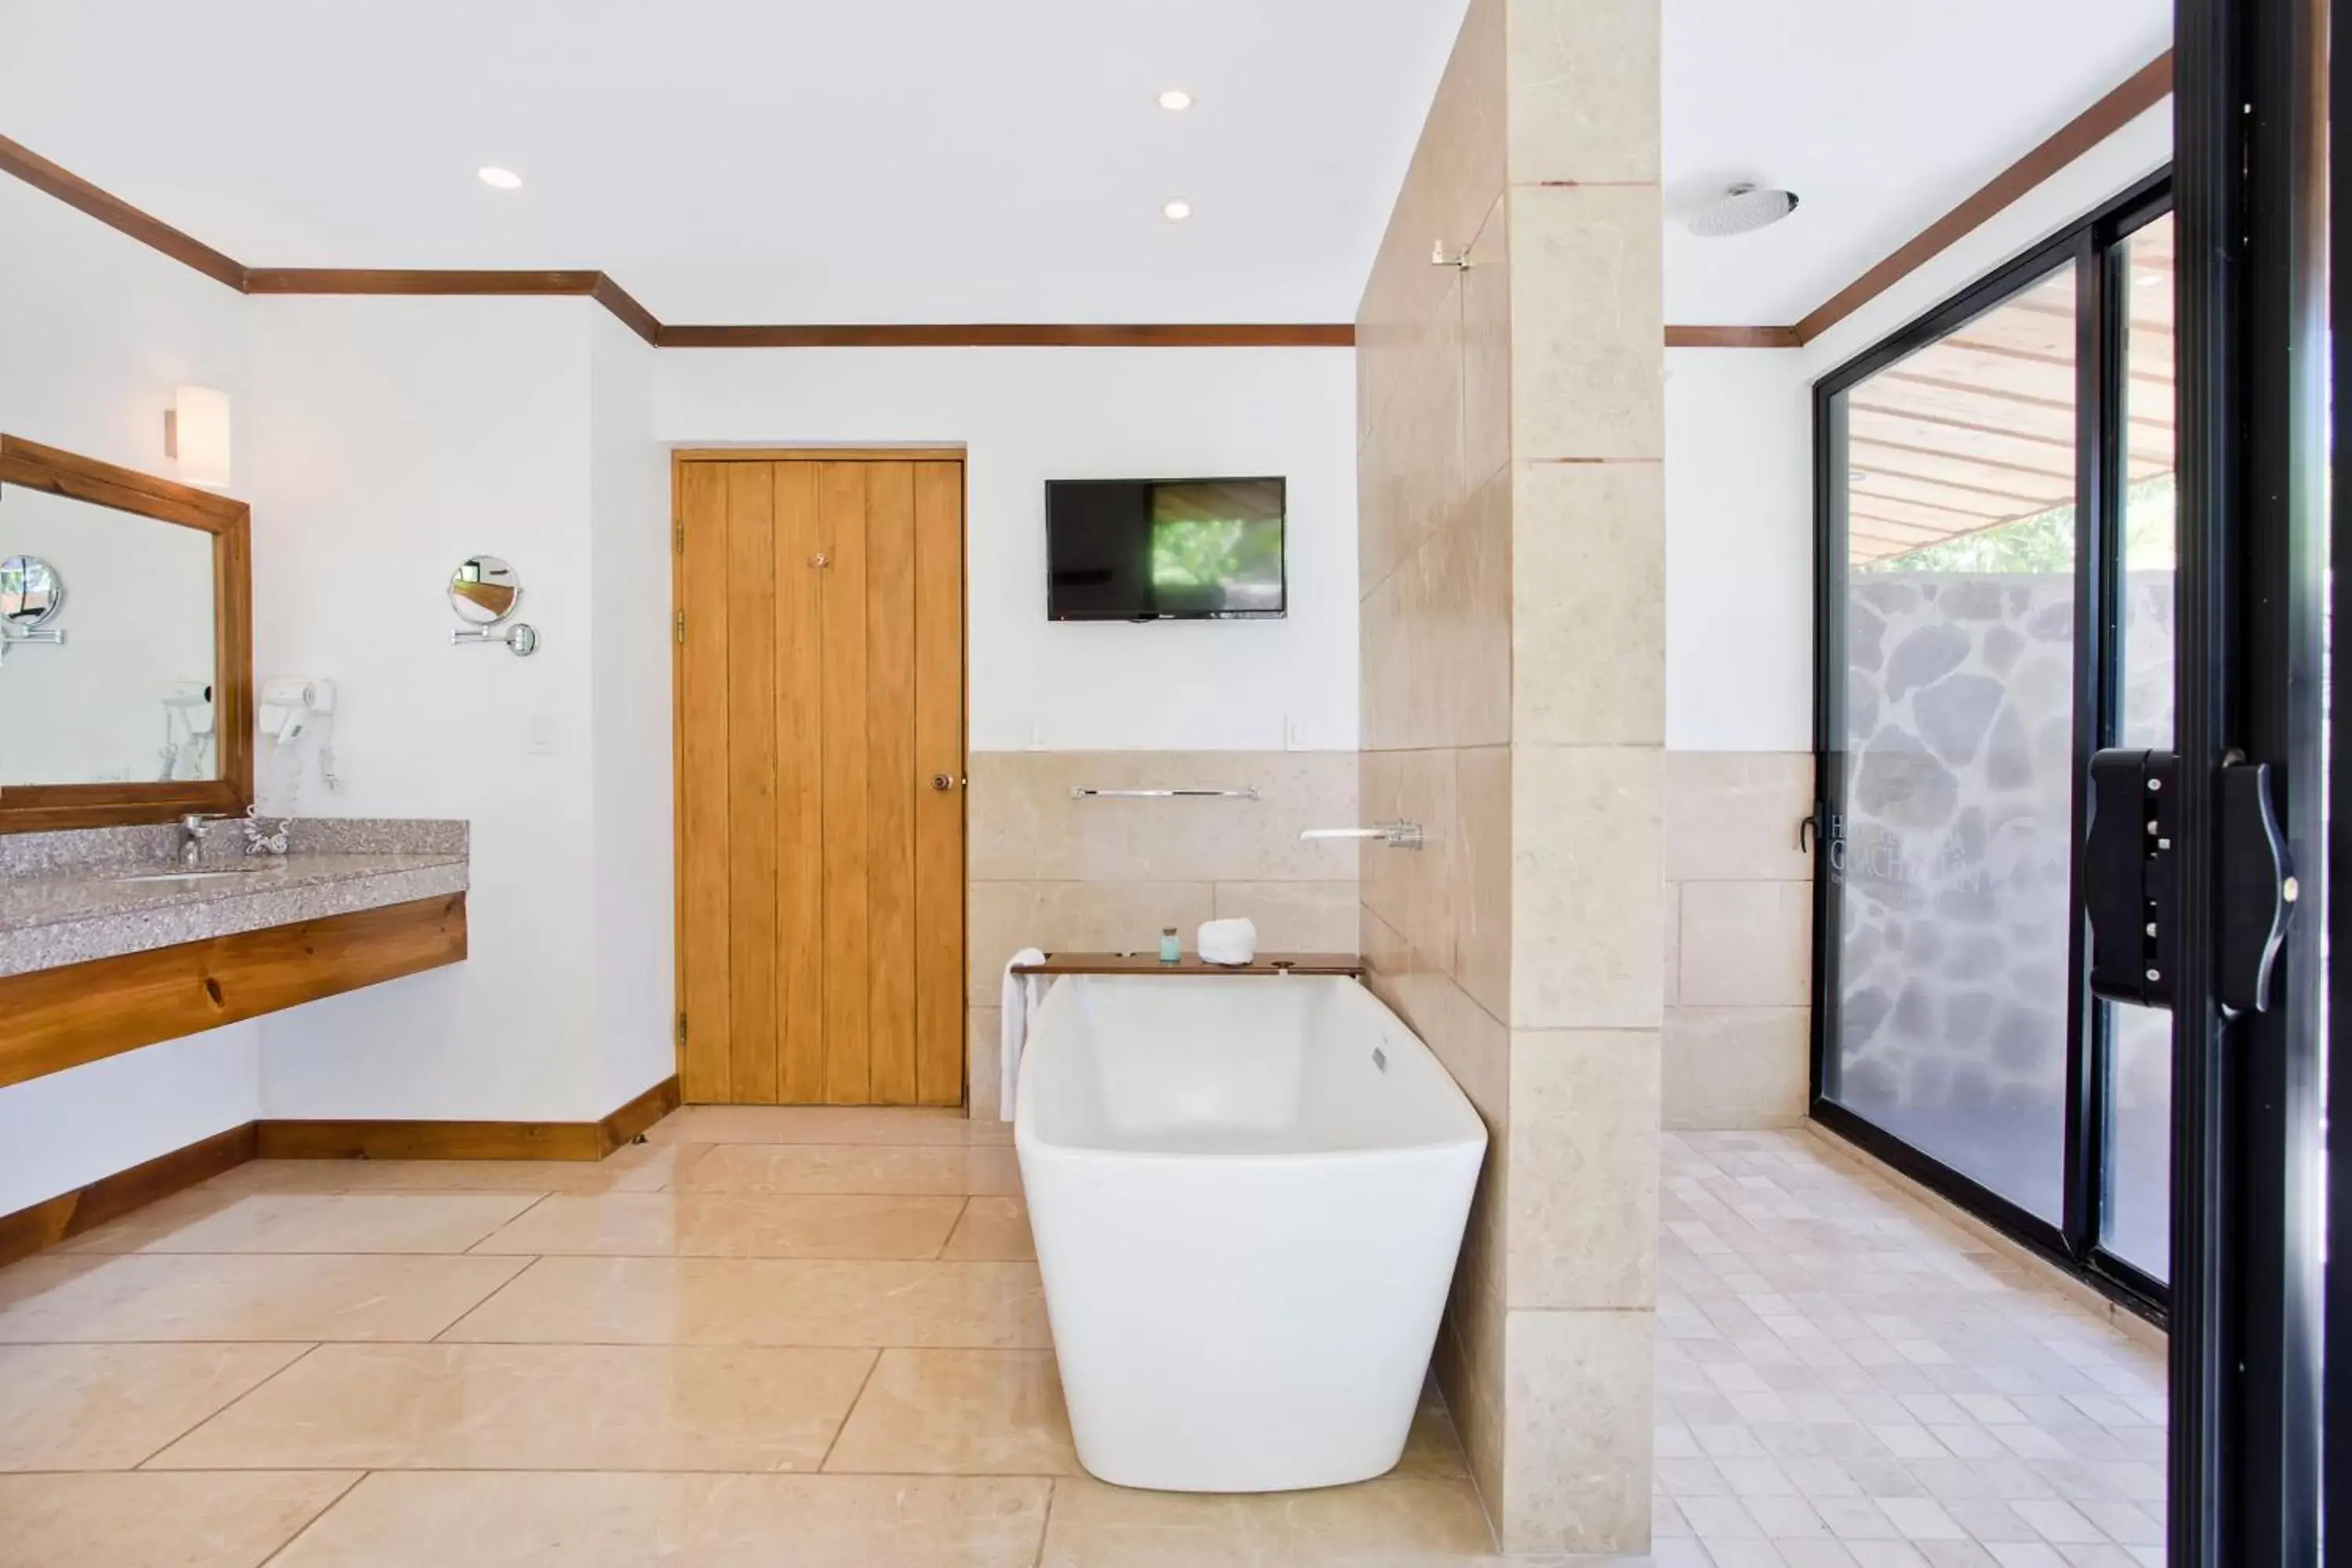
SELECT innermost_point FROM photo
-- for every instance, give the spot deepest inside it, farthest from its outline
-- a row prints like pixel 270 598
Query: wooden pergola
pixel 1979 430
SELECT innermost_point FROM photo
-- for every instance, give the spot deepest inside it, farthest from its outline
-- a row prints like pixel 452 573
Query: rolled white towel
pixel 1227 941
pixel 1022 994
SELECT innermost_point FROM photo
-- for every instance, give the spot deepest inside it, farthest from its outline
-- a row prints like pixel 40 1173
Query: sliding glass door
pixel 1995 596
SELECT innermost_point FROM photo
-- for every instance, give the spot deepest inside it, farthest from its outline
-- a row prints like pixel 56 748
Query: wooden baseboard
pixel 468 1140
pixel 624 1124
pixel 28 1230
pixel 59 1018
pixel 47 1222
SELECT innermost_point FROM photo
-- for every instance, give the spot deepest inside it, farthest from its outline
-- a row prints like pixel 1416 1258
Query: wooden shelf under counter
pixel 1342 965
pixel 61 1017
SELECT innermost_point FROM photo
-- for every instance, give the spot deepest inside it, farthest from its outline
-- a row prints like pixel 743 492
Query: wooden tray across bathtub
pixel 1346 965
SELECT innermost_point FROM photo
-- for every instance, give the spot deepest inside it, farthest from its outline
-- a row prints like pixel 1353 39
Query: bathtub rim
pixel 1027 1138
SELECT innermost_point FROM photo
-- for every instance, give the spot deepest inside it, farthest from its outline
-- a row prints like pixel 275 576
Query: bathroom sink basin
pixel 219 871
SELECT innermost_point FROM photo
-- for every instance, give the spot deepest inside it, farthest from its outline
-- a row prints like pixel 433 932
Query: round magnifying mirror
pixel 30 592
pixel 485 590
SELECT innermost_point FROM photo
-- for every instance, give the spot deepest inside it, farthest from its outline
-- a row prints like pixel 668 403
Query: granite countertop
pixel 64 898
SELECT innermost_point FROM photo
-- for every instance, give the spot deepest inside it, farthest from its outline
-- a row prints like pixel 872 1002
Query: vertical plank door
pixel 820 754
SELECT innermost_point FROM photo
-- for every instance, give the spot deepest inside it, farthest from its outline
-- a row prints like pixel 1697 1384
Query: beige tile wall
pixel 1048 871
pixel 1738 939
pixel 1513 656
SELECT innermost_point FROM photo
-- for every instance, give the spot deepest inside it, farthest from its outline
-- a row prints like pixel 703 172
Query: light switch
pixel 538 735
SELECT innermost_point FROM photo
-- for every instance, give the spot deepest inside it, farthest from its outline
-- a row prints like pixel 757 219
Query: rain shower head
pixel 1741 210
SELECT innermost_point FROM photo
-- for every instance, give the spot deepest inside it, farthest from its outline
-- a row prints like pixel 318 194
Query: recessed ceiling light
pixel 500 178
pixel 1177 212
pixel 1175 97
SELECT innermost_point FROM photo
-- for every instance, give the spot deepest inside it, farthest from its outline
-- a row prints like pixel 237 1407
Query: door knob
pixel 943 781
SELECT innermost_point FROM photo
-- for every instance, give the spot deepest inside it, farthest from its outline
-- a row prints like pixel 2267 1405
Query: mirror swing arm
pixel 29 465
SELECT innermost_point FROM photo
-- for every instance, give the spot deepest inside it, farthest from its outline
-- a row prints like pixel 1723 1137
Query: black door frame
pixel 2246 1351
pixel 2093 247
pixel 2336 1502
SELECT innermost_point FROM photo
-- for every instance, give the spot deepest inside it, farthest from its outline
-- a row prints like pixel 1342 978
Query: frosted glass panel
pixel 1955 842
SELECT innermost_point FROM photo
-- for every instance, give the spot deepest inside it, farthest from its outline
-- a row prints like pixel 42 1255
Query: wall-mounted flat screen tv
pixel 1147 550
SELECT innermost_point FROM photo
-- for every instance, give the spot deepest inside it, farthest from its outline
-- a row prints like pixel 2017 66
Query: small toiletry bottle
pixel 1170 949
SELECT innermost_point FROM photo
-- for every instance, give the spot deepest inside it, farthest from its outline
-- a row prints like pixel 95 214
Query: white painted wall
pixel 629 725
pixel 1740 552
pixel 390 439
pixel 1029 415
pixel 1740 543
pixel 95 331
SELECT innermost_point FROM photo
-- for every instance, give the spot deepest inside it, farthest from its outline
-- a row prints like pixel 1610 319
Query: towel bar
pixel 1078 792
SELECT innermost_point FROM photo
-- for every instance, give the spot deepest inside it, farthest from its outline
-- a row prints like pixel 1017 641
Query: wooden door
pixel 820 788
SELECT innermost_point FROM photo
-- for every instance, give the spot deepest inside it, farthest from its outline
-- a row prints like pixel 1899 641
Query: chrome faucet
pixel 1395 835
pixel 194 825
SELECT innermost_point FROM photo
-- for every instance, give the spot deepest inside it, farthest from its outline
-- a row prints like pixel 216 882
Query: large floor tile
pixel 639 1168
pixel 160 1296
pixel 571 1407
pixel 1396 1522
pixel 732 1224
pixel 107 1407
pixel 588 1520
pixel 853 1168
pixel 764 1301
pixel 971 1413
pixel 146 1520
pixel 995 1227
pixel 211 1220
pixel 825 1124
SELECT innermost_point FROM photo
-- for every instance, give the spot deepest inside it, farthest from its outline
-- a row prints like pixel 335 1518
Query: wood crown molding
pixel 70 188
pixel 115 213
pixel 53 1220
pixel 1732 338
pixel 1067 335
pixel 2141 92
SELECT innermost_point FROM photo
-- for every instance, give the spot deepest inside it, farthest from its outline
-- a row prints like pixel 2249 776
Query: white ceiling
pixel 1880 114
pixel 763 160
pixel 968 161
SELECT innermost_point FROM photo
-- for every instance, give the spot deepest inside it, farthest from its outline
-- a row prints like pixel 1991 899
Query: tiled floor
pixel 817 1338
pixel 1845 1377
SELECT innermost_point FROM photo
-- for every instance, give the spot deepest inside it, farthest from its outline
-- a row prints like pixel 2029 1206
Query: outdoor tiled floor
pixel 1844 1377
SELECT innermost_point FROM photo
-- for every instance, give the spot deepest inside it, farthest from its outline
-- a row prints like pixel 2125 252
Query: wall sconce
pixel 195 431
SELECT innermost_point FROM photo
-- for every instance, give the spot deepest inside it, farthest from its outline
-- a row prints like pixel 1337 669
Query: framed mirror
pixel 126 635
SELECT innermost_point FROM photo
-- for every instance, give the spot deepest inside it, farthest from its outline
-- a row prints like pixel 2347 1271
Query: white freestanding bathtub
pixel 1248 1195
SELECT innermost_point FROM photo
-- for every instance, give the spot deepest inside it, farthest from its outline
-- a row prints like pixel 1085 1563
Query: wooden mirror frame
pixel 30 808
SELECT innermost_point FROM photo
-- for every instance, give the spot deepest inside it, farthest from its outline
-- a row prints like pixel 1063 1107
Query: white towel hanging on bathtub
pixel 1022 994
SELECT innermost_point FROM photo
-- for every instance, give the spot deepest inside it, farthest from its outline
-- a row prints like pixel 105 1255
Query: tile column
pixel 1587 779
